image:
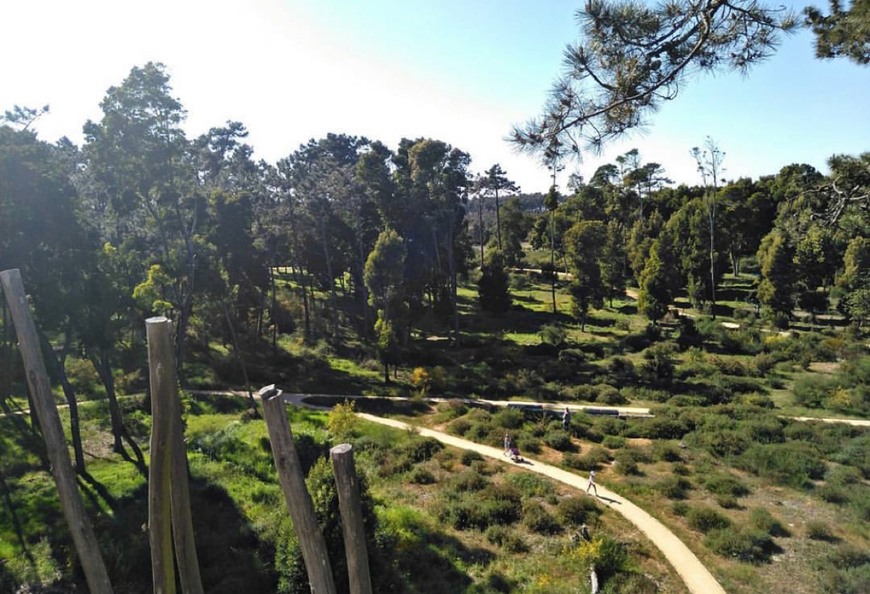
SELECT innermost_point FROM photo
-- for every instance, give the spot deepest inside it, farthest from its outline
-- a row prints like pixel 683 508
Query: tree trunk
pixel 480 227
pixel 238 353
pixel 498 222
pixel 57 364
pixel 553 259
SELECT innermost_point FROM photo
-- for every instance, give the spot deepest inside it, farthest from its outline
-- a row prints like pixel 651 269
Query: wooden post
pixel 296 494
pixel 166 416
pixel 347 483
pixel 162 379
pixel 80 528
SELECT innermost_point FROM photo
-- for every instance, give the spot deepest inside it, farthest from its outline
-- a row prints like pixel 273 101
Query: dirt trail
pixel 696 577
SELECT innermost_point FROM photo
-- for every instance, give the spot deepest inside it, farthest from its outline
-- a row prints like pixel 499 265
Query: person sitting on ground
pixel 515 453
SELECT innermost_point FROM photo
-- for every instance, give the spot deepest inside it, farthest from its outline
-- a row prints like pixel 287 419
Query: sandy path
pixel 696 577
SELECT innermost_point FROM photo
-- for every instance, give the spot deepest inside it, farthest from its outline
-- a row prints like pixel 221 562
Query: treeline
pixel 142 220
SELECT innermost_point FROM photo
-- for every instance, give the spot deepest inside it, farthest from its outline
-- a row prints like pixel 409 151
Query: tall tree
pixel 776 289
pixel 384 277
pixel 709 161
pixel 496 181
pixel 584 245
pixel 658 279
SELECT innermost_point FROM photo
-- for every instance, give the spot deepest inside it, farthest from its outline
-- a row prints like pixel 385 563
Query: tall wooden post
pixel 296 495
pixel 80 528
pixel 352 526
pixel 162 381
pixel 171 489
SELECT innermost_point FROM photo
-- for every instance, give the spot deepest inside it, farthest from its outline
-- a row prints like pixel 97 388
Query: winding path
pixel 696 577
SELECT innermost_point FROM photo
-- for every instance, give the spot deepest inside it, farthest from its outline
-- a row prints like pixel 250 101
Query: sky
pixel 461 71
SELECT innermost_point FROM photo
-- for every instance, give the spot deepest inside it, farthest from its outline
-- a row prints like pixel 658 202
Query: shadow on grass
pixel 432 564
pixel 231 557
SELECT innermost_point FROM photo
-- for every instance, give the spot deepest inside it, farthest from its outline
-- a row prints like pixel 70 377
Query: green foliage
pixel 493 286
pixel 674 487
pixel 537 519
pixel 793 464
pixel 819 530
pixel 574 511
pixel 706 519
pixel 342 421
pixel 747 545
pixel 762 519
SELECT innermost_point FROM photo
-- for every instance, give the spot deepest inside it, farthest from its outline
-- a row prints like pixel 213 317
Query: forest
pixel 352 268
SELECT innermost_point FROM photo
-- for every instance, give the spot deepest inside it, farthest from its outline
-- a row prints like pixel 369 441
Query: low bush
pixel 667 451
pixel 421 476
pixel 574 511
pixel 749 546
pixel 706 519
pixel 537 519
pixel 508 418
pixel 468 457
pixel 793 464
pixel 819 530
pixel 762 519
pixel 506 538
pixel 558 439
pixel 530 485
pixel 614 442
pixel 725 485
pixel 627 461
pixel 674 487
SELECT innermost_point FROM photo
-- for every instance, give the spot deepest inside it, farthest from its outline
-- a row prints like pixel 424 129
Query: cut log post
pixel 165 404
pixel 296 495
pixel 80 528
pixel 162 380
pixel 353 528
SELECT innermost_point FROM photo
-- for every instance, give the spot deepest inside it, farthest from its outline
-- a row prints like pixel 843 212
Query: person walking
pixel 592 484
pixel 566 419
pixel 508 442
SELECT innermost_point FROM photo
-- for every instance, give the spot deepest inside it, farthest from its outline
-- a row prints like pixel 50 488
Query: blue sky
pixel 463 71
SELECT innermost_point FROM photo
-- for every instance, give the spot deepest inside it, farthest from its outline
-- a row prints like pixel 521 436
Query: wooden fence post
pixel 80 528
pixel 296 495
pixel 166 425
pixel 162 380
pixel 347 484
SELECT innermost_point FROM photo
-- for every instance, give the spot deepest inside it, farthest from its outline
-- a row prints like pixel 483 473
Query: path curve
pixel 693 573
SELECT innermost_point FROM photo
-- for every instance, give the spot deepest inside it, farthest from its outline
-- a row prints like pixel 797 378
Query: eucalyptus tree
pixel 385 278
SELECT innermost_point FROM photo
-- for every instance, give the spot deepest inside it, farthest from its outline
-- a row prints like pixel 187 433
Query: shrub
pixel 421 476
pixel 818 530
pixel 537 519
pixel 680 508
pixel 725 485
pixel 792 464
pixel 763 520
pixel 420 449
pixel 666 451
pixel 508 418
pixel 749 546
pixel 705 519
pixel 574 511
pixel 627 460
pixel 468 480
pixel 559 439
pixel 674 487
pixel 530 485
pixel 506 538
pixel 468 457
pixel 459 427
pixel 613 442
pixel 342 420
pixel 607 394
